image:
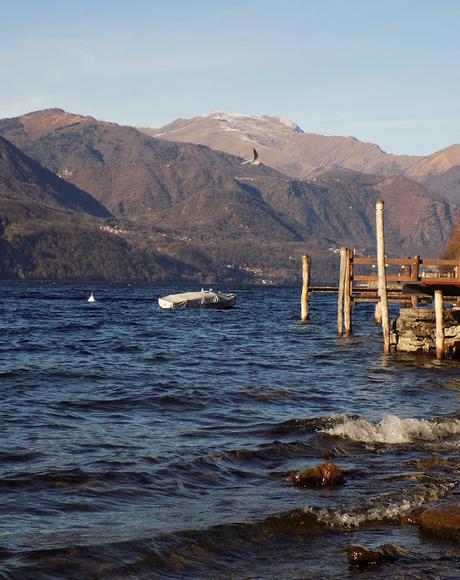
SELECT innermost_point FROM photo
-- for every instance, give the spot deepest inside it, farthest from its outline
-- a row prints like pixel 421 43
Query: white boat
pixel 203 299
pixel 91 298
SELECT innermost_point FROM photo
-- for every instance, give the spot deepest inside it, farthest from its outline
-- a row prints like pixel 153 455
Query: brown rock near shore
pixel 361 556
pixel 441 520
pixel 324 475
pixel 412 517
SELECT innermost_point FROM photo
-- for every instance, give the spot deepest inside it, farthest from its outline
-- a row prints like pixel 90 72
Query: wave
pixel 217 551
pixel 104 481
pixel 389 506
pixel 274 451
pixel 394 430
pixel 165 402
pixel 18 457
pixel 312 424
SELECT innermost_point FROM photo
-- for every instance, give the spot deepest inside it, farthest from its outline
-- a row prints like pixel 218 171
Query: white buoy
pixel 91 298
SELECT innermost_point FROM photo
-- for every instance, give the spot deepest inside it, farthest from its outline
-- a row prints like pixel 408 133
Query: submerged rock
pixel 435 463
pixel 361 556
pixel 442 520
pixel 400 476
pixel 324 475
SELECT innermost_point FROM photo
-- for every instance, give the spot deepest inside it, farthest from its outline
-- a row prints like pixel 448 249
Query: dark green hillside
pixel 68 251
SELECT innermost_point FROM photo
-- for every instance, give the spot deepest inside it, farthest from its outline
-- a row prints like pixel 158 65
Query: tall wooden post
pixel 343 258
pixel 416 268
pixel 382 276
pixel 415 273
pixel 347 293
pixel 304 306
pixel 439 341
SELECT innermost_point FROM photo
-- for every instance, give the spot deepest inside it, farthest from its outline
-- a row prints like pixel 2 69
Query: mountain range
pixel 120 204
pixel 284 146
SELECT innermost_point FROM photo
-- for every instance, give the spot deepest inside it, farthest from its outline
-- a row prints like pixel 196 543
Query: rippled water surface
pixel 141 443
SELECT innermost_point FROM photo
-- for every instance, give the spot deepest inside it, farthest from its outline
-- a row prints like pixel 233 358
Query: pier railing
pixel 407 281
pixel 426 271
pixel 404 280
pixel 359 282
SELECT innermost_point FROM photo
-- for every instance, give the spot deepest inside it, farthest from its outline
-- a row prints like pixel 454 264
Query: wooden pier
pixel 407 281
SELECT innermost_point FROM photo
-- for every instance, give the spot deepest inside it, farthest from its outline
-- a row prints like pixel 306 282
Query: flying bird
pixel 255 161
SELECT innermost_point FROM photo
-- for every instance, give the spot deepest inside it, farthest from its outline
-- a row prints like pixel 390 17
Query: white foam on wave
pixel 387 506
pixel 393 430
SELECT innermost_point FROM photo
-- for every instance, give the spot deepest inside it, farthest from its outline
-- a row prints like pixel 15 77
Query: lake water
pixel 141 443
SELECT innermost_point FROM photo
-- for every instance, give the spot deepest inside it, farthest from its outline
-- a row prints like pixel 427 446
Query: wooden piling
pixel 347 293
pixel 378 313
pixel 415 273
pixel 438 307
pixel 343 257
pixel 382 275
pixel 416 268
pixel 304 301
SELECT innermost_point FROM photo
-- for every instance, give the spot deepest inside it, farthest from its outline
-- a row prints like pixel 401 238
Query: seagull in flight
pixel 255 161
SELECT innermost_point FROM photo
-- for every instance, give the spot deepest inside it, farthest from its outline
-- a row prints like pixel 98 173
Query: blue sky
pixel 383 71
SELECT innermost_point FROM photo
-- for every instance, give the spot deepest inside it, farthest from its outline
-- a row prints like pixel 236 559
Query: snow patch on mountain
pixel 241 122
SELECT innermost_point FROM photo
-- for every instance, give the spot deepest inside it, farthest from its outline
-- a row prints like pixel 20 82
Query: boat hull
pixel 204 299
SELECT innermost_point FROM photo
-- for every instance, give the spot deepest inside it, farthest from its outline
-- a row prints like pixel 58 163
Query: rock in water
pixel 435 463
pixel 361 556
pixel 442 520
pixel 412 517
pixel 326 474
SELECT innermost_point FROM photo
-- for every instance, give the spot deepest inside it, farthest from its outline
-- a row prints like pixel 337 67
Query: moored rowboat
pixel 203 299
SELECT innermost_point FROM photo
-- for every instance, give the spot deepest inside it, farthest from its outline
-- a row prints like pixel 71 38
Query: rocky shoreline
pixel 439 520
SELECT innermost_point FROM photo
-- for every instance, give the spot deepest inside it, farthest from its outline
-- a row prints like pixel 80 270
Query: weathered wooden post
pixel 382 276
pixel 415 273
pixel 343 258
pixel 438 308
pixel 304 305
pixel 347 292
pixel 378 313
pixel 416 268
